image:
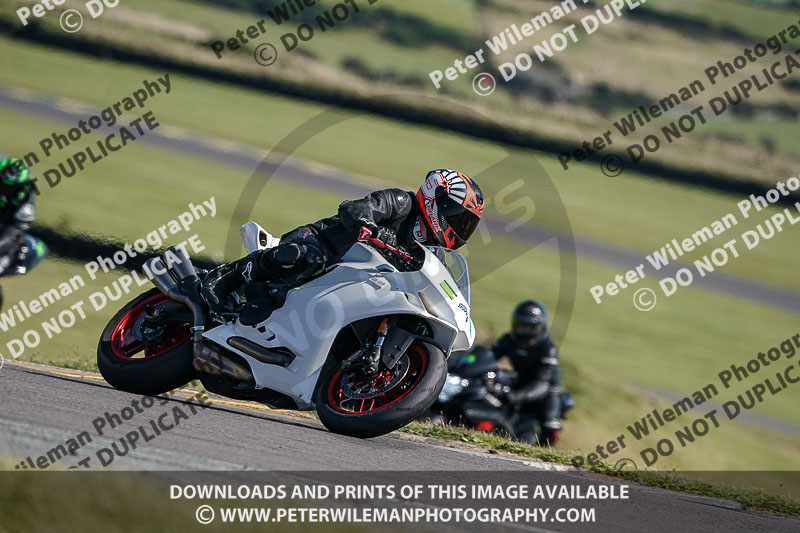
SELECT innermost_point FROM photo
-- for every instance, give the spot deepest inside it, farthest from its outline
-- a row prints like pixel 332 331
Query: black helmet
pixel 529 321
pixel 15 183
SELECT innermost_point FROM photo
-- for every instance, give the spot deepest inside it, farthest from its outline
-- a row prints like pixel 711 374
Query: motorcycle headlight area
pixel 452 386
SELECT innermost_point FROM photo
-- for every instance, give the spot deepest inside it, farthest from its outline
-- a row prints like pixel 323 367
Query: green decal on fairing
pixel 40 249
pixel 448 290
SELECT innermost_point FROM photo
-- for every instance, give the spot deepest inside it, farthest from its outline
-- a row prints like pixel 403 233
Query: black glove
pixel 386 236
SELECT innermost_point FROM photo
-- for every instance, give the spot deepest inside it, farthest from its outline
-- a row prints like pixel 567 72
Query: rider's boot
pixel 223 280
pixel 551 432
pixel 284 261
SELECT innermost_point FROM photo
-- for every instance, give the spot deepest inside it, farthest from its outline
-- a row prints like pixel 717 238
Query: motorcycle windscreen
pixel 456 265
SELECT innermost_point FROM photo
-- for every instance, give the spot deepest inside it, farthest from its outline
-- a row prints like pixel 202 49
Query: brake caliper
pixel 356 385
pixel 368 359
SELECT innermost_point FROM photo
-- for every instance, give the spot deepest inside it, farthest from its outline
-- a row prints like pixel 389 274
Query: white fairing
pixel 362 285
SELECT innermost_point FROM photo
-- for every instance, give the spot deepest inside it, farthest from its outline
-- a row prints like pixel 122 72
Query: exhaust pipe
pixel 206 358
pixel 160 275
pixel 215 362
pixel 183 269
pixel 186 290
pixel 259 353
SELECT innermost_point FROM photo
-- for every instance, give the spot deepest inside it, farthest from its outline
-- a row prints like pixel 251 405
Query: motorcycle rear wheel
pixel 130 366
pixel 392 408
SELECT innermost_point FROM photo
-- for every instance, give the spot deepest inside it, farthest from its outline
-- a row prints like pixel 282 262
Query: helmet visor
pixel 15 195
pixel 13 172
pixel 462 221
pixel 527 329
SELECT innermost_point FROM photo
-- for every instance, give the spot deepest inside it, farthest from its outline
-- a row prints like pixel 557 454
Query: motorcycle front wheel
pixel 359 407
pixel 128 365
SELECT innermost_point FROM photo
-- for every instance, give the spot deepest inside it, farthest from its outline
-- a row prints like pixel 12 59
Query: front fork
pixel 384 351
pixel 368 358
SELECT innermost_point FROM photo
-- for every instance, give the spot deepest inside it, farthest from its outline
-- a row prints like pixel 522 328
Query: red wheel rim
pixel 125 346
pixel 337 399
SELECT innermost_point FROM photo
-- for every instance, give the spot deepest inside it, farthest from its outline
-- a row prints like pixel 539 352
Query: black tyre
pixel 367 409
pixel 128 365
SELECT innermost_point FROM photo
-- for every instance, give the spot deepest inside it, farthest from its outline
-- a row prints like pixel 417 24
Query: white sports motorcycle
pixel 365 343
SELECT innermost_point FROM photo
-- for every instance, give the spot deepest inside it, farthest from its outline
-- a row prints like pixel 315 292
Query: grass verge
pixel 750 499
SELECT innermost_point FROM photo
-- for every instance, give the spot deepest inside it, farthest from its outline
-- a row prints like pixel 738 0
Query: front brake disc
pixel 360 387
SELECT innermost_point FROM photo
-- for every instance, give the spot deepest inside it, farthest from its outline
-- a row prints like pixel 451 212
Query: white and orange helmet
pixel 451 204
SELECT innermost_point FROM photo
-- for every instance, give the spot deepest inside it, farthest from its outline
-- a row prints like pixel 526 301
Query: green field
pixel 360 59
pixel 750 17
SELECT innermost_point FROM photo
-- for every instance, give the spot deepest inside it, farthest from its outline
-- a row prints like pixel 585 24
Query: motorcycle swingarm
pixel 171 312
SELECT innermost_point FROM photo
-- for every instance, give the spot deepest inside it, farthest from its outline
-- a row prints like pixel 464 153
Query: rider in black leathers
pixel 535 359
pixel 16 210
pixel 444 212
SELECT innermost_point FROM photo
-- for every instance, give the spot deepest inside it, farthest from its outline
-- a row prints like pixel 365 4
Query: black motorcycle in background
pixel 473 396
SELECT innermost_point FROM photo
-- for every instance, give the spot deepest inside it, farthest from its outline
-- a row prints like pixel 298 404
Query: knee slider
pixel 288 254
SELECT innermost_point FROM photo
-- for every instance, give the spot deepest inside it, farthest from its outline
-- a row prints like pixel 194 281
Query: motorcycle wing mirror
pixel 256 238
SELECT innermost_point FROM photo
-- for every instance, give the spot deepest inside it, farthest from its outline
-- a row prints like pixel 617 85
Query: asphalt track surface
pixel 43 406
pixel 300 172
